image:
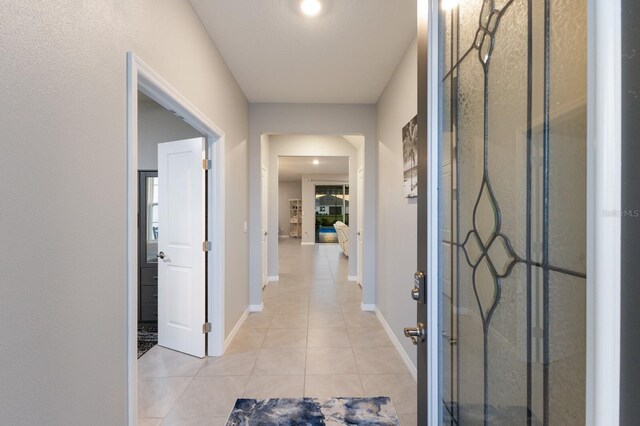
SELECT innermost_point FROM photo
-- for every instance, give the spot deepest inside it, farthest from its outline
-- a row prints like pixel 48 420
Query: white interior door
pixel 265 233
pixel 360 222
pixel 181 259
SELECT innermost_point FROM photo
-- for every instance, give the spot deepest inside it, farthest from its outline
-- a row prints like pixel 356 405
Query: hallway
pixel 312 339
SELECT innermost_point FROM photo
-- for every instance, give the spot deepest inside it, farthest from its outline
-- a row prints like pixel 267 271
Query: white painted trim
pixel 352 278
pixel 235 330
pixel 603 212
pixel 273 278
pixel 256 308
pixel 283 236
pixel 396 343
pixel 216 257
pixel 142 77
pixel 132 243
pixel 429 10
pixel 367 307
pixel 307 244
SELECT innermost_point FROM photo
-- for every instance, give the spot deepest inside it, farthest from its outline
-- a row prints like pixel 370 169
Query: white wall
pixel 287 190
pixel 313 119
pixel 63 180
pixel 309 183
pixel 156 125
pixel 397 215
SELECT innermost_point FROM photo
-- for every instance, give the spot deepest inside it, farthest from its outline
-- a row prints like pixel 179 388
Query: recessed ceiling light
pixel 315 162
pixel 310 7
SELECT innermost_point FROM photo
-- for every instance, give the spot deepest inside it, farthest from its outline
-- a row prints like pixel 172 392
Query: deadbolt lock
pixel 418 291
pixel 415 293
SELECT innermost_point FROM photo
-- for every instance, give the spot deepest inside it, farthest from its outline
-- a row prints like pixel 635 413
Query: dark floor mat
pixel 147 338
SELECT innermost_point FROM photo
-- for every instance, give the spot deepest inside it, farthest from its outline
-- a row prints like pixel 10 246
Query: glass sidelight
pixel 513 212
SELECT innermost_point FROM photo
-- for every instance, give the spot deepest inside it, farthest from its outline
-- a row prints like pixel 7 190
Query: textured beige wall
pixel 397 215
pixel 62 180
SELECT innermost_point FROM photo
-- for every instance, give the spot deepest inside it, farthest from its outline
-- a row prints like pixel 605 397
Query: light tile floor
pixel 312 339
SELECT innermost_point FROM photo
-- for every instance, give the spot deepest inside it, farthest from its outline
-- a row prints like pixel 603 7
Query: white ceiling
pixel 292 168
pixel 345 55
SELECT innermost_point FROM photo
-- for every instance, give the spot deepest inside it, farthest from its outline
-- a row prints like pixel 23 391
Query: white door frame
pixel 603 208
pixel 360 224
pixel 264 225
pixel 141 77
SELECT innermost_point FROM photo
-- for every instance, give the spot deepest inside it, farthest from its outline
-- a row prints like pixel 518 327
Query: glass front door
pixel 513 84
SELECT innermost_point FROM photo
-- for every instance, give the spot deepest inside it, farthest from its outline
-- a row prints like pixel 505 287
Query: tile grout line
pixel 178 399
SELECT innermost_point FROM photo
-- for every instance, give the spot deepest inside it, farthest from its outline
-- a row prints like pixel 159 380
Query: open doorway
pixel 313 199
pixel 193 169
pixel 156 125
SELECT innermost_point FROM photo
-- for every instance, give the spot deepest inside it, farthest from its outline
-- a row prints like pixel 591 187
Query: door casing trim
pixel 428 15
pixel 142 77
pixel 604 217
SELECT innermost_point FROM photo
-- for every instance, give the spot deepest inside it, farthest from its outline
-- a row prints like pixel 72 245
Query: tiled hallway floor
pixel 312 339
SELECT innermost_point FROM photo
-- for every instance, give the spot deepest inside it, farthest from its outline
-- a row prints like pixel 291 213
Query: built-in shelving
pixel 295 218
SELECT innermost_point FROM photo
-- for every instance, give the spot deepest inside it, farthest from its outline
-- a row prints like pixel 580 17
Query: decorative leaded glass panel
pixel 513 179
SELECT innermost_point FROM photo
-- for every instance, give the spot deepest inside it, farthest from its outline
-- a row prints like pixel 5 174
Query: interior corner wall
pixel 397 215
pixel 312 119
pixel 156 125
pixel 287 190
pixel 63 297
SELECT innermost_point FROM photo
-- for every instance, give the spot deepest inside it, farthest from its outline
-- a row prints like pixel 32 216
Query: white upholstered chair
pixel 343 236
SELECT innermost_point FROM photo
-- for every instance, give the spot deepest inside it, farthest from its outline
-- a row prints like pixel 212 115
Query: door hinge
pixel 206 164
pixel 206 328
pixel 207 246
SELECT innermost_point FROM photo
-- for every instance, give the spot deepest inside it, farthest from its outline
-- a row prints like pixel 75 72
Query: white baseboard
pixel 307 244
pixel 236 327
pixel 403 354
pixel 283 236
pixel 273 278
pixel 256 308
pixel 352 278
pixel 368 307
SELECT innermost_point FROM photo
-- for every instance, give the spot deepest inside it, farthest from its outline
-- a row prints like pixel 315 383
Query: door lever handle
pixel 416 334
pixel 160 255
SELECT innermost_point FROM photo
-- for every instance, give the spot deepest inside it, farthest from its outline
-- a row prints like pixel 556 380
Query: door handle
pixel 416 334
pixel 160 255
pixel 266 233
pixel 358 233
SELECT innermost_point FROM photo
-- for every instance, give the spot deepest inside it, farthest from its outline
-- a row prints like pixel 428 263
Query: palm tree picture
pixel 410 157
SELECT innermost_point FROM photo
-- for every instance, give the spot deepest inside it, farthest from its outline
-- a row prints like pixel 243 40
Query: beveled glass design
pixel 514 128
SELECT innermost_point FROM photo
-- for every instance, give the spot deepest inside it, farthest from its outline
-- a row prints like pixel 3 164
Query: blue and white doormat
pixel 376 411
